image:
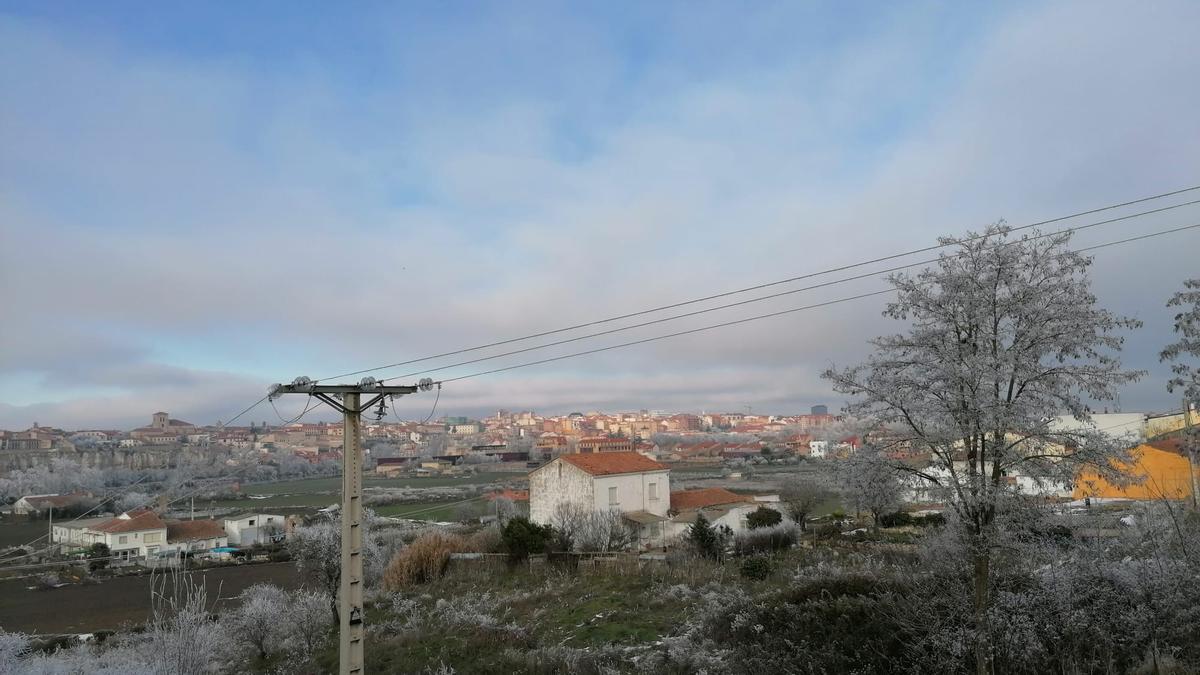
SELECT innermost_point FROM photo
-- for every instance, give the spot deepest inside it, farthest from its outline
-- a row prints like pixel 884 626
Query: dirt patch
pixel 121 601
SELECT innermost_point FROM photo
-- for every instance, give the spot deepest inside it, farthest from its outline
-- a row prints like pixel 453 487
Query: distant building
pixel 134 534
pixel 163 430
pixel 1160 467
pixel 37 504
pixel 819 410
pixel 604 444
pixel 247 529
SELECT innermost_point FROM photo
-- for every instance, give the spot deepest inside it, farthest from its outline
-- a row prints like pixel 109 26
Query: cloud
pixel 177 221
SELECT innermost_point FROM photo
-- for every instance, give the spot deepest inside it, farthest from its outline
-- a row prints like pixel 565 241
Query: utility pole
pixel 347 399
pixel 1189 443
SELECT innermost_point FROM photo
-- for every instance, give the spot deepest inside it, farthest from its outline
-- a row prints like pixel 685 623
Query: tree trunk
pixel 983 644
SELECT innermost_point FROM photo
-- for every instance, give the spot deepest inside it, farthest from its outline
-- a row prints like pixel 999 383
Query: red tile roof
pixel 191 530
pixel 688 500
pixel 609 463
pixel 136 522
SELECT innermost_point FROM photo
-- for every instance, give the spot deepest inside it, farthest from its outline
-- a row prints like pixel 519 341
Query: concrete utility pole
pixel 347 398
pixel 1190 449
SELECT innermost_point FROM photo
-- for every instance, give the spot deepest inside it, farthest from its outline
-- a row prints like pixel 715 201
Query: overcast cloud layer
pixel 194 204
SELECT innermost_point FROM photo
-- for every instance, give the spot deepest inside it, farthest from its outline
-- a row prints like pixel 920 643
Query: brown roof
pixel 42 501
pixel 191 530
pixel 609 463
pixel 137 521
pixel 689 500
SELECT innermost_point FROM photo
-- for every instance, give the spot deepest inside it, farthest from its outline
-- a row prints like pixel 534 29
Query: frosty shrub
pixel 756 567
pixel 763 517
pixel 766 539
pixel 259 624
pixel 485 540
pixel 523 537
pixel 422 561
pixel 12 647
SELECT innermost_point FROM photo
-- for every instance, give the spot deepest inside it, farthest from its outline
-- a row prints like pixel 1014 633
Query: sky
pixel 200 199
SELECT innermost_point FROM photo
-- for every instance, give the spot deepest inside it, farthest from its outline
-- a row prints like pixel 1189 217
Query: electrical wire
pixel 768 315
pixel 764 285
pixel 771 296
pixel 435 404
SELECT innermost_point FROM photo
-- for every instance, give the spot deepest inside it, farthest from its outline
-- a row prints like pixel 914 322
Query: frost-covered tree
pixel 317 551
pixel 1184 356
pixel 869 482
pixel 1004 333
pixel 801 497
pixel 260 622
pixel 308 619
pixel 1184 353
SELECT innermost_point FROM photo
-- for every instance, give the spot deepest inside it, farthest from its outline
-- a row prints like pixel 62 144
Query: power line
pixel 769 315
pixel 760 286
pixel 772 296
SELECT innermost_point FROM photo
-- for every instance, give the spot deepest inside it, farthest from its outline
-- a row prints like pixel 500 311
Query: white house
pixel 247 529
pixel 718 505
pixel 195 536
pixel 39 503
pixel 628 482
pixel 134 534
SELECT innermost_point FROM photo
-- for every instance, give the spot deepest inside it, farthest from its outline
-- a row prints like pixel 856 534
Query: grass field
pixel 20 531
pixel 321 492
pixel 437 511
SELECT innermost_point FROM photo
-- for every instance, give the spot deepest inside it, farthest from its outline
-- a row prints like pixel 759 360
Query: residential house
pixel 248 529
pixel 630 483
pixel 132 535
pixel 719 506
pixel 195 536
pixel 38 504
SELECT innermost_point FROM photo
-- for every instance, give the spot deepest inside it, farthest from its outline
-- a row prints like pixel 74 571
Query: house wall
pixel 138 544
pixel 633 492
pixel 735 520
pixel 1163 475
pixel 240 532
pixel 556 483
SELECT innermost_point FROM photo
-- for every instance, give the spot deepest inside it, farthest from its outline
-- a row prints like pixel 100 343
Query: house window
pixel 152 537
pixel 252 522
pixel 612 496
pixel 123 539
pixel 654 491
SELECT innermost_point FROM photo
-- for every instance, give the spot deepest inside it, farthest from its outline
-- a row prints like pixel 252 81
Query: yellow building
pixel 1159 469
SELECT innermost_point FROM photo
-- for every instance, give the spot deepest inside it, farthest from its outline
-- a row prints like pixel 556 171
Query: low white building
pixel 628 482
pixel 40 503
pixel 248 529
pixel 195 536
pixel 719 506
pixel 135 534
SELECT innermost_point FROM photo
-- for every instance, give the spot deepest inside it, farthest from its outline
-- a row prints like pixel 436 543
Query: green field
pixel 438 511
pixel 17 531
pixel 321 492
